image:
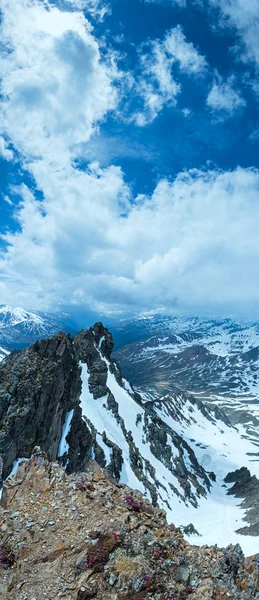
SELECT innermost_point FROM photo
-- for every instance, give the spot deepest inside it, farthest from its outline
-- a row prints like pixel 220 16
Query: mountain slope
pixel 217 361
pixel 84 540
pixel 20 328
pixel 69 397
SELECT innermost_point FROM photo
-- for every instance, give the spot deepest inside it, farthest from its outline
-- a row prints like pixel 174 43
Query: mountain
pixel 20 328
pixel 84 536
pixel 69 397
pixel 215 360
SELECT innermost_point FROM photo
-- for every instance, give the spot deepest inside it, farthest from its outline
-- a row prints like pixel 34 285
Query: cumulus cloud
pixel 5 152
pixel 194 239
pixel 183 52
pixel 224 98
pixel 244 17
pixel 160 62
pixel 241 15
pixel 55 86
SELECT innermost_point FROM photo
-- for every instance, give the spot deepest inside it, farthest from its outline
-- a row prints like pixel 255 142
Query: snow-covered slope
pixel 3 353
pixel 174 450
pixel 20 328
pixel 217 361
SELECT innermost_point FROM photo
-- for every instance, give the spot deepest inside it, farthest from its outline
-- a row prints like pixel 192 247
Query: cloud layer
pixel 194 240
pixel 82 237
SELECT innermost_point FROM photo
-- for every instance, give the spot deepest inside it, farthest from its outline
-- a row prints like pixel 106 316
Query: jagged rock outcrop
pixel 246 487
pixel 85 537
pixel 38 386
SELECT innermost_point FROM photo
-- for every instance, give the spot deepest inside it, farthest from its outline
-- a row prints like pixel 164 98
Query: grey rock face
pixel 246 487
pixel 38 386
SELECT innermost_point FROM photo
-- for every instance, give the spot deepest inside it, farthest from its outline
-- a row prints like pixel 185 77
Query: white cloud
pixel 244 17
pixel 95 8
pixel 5 152
pixel 55 86
pixel 188 57
pixel 160 62
pixel 223 98
pixel 157 85
pixel 194 239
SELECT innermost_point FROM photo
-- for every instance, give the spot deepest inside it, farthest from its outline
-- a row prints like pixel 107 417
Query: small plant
pixel 7 557
pixel 80 485
pixel 131 504
pixel 98 554
pixel 189 590
pixel 159 555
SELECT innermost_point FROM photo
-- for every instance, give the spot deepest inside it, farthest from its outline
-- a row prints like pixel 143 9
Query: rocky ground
pixel 81 537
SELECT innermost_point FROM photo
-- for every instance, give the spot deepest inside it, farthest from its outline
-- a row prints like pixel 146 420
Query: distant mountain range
pixel 215 360
pixel 20 328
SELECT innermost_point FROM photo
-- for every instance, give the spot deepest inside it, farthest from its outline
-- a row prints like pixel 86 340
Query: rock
pixel 44 386
pixel 55 553
pixel 151 561
pixel 205 591
pixel 85 594
pixel 112 579
pixel 190 530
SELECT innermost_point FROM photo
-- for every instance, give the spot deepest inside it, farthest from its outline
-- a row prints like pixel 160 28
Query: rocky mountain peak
pixel 88 342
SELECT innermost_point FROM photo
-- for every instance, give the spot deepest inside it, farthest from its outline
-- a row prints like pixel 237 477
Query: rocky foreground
pixel 81 537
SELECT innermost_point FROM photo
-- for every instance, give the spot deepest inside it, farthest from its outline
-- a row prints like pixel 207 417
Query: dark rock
pixel 38 387
pixel 86 594
pixel 190 530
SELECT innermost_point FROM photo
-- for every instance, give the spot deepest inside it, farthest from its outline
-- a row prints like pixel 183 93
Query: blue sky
pixel 129 156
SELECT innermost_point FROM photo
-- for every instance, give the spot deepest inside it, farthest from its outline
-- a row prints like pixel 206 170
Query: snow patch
pixel 63 445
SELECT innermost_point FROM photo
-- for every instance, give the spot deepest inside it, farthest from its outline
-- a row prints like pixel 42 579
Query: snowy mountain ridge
pixel 215 360
pixel 20 328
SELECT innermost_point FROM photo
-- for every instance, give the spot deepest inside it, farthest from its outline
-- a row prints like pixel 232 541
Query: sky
pixel 129 156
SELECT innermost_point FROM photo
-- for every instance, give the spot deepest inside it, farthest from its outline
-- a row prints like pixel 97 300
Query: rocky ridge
pixel 81 537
